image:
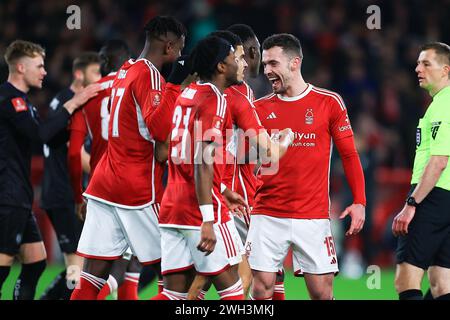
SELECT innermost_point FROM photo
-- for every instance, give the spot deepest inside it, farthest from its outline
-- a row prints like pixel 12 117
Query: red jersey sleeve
pixel 147 91
pixel 244 113
pixel 211 119
pixel 159 122
pixel 78 131
pixel 340 126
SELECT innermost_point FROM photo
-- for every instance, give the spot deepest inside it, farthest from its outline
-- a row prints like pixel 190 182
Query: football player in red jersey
pixel 246 125
pixel 126 187
pixel 92 120
pixel 194 218
pixel 243 178
pixel 294 203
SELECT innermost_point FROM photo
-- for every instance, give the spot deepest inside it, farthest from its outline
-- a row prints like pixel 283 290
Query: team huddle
pixel 248 179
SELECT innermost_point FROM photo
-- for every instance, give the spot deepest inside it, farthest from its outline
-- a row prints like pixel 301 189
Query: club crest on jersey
pixel 156 99
pixel 19 104
pixel 418 136
pixel 309 116
pixel 217 123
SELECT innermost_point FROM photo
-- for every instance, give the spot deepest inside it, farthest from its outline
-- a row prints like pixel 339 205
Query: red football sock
pixel 160 296
pixel 170 295
pixel 106 291
pixel 235 292
pixel 278 292
pixel 129 288
pixel 108 288
pixel 88 288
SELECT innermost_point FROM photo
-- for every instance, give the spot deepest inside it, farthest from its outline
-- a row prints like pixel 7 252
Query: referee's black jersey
pixel 56 188
pixel 19 128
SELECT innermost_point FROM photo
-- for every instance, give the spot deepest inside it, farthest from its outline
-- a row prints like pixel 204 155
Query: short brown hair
pixel 21 48
pixel 84 60
pixel 442 50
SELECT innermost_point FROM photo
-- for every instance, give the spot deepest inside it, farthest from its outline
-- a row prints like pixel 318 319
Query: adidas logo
pixel 271 116
pixel 333 261
pixel 181 62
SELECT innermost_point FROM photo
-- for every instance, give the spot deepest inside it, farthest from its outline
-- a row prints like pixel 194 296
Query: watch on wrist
pixel 411 201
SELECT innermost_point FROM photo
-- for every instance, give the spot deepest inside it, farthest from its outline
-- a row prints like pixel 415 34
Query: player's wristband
pixel 223 187
pixel 207 211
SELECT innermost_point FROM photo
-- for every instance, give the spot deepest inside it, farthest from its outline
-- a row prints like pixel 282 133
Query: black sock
pixel 444 297
pixel 412 294
pixel 25 288
pixel 4 272
pixel 55 289
pixel 428 295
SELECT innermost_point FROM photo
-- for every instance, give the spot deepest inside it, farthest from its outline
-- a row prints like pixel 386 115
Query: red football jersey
pixel 92 119
pixel 300 188
pixel 128 174
pixel 239 176
pixel 200 114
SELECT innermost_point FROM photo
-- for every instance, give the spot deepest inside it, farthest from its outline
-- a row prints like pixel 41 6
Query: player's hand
pixel 358 214
pixel 286 135
pixel 207 238
pixel 80 210
pixel 181 69
pixel 402 220
pixel 80 98
pixel 235 203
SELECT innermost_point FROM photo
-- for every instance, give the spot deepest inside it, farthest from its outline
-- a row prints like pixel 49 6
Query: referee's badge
pixel 418 136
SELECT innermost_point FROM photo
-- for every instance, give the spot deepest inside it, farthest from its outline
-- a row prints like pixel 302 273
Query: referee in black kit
pixel 19 128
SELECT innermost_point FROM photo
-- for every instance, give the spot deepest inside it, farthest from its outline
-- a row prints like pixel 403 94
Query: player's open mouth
pixel 275 81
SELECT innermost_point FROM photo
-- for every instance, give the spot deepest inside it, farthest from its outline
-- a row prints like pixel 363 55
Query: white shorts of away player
pixel 109 231
pixel 179 250
pixel 270 238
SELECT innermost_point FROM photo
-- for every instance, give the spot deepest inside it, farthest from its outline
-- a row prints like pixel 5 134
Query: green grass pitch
pixel 365 288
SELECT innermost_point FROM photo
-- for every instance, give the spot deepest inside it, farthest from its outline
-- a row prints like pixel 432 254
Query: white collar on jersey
pixel 131 61
pixel 295 98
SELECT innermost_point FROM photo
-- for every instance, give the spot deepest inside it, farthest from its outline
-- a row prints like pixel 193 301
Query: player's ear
pixel 446 70
pixel 168 47
pixel 252 53
pixel 78 75
pixel 19 67
pixel 221 67
pixel 295 63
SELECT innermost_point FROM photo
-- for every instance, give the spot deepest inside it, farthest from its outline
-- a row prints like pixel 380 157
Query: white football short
pixel 179 250
pixel 270 238
pixel 109 231
pixel 242 225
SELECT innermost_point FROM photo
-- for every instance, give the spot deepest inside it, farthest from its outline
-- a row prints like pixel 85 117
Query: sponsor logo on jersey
pixel 346 127
pixel 434 129
pixel 302 139
pixel 19 104
pixel 272 116
pixel 309 116
pixel 418 136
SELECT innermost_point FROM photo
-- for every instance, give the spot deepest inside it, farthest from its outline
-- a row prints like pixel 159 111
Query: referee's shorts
pixel 17 226
pixel 428 240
